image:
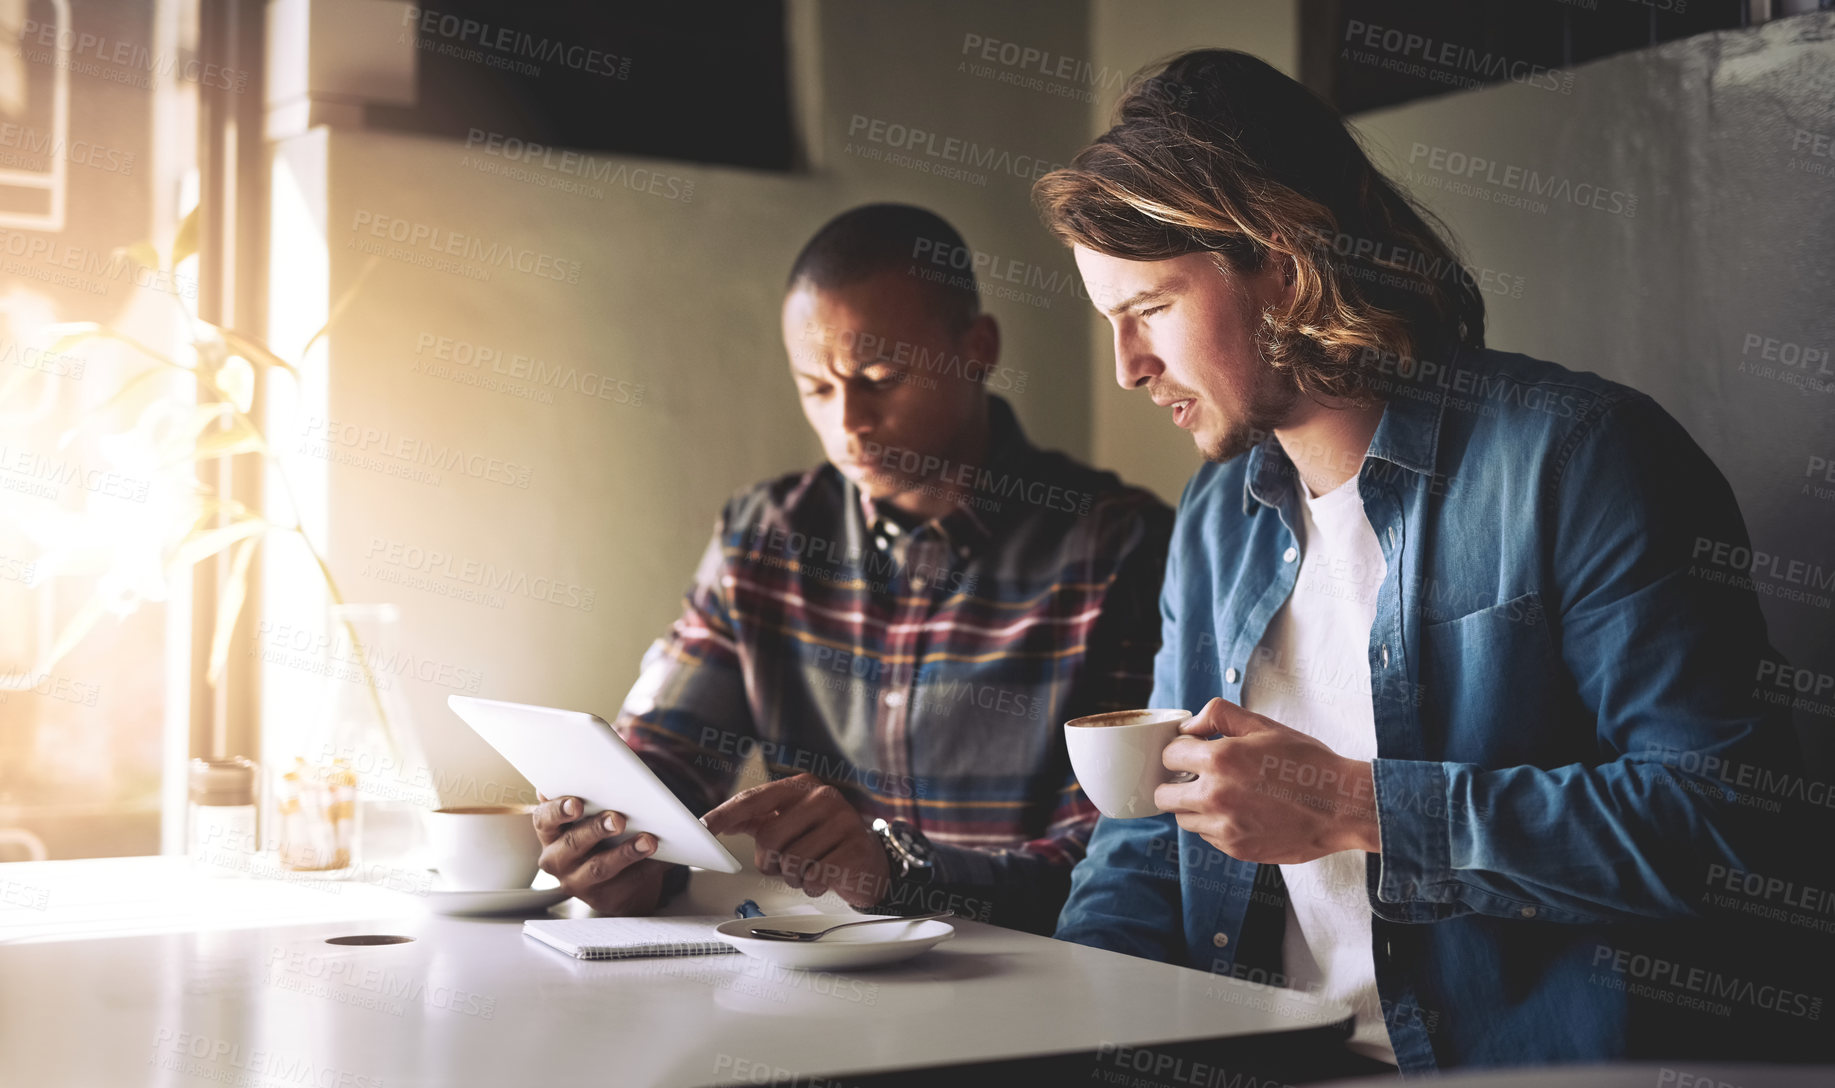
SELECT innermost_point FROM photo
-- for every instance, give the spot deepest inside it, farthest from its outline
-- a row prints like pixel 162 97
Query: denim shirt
pixel 1560 676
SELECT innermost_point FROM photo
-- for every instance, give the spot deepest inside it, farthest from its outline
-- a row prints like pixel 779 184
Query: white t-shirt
pixel 1312 673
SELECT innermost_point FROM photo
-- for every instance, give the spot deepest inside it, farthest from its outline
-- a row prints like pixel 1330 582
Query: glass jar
pixel 315 806
pixel 220 828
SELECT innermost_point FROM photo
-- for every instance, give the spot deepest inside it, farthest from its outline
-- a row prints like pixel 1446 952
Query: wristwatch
pixel 908 852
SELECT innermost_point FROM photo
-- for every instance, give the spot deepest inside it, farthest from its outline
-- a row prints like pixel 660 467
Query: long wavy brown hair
pixel 1214 151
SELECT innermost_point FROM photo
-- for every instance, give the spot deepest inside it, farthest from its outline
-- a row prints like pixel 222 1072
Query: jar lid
pixel 223 781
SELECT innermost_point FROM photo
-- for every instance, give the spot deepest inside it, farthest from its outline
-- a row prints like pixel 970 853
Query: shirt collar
pixel 967 526
pixel 1407 436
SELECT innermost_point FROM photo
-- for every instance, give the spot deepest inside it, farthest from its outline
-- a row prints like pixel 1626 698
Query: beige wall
pixel 678 297
pixel 1129 434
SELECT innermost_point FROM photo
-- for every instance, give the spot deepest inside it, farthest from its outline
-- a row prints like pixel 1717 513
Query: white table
pixel 137 971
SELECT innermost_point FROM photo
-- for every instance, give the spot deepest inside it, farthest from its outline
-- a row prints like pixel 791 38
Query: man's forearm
pixel 1017 889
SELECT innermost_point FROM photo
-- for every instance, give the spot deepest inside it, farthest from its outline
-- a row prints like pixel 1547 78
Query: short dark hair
pixel 911 241
pixel 1215 151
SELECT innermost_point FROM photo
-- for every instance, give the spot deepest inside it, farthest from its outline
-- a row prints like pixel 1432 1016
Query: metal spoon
pixel 793 935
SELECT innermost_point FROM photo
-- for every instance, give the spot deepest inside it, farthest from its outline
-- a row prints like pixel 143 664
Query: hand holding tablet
pixel 604 820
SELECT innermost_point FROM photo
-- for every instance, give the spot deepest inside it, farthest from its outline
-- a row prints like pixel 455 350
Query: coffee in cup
pixel 1117 758
pixel 484 847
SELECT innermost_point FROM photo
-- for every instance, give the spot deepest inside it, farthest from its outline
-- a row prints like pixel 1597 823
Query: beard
pixel 1267 404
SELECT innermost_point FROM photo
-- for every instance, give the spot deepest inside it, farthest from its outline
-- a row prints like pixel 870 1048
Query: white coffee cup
pixel 479 847
pixel 1117 758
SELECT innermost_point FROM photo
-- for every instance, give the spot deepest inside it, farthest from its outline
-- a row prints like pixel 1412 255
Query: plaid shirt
pixel 926 672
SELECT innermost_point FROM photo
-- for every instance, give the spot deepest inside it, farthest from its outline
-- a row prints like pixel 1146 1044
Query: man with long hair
pixel 1458 678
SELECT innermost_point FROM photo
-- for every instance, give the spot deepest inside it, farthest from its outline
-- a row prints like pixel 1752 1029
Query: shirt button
pixel 918 582
pixel 1528 912
pixel 963 551
pixel 1290 555
pixel 1229 676
pixel 895 699
pixel 881 542
pixel 1385 655
pixel 1221 940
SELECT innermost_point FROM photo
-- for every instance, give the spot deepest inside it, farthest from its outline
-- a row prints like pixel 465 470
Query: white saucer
pixel 544 893
pixel 862 946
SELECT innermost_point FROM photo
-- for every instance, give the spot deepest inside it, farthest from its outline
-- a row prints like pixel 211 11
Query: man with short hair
pixel 1436 603
pixel 900 632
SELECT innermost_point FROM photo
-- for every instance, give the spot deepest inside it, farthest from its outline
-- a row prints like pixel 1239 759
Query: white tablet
pixel 568 753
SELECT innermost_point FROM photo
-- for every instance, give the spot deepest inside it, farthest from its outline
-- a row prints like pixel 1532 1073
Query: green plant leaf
pixel 185 242
pixel 141 253
pixel 252 349
pixel 344 300
pixel 201 543
pixel 72 333
pixel 229 606
pixel 239 437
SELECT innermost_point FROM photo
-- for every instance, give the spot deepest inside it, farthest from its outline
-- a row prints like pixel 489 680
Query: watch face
pixel 912 844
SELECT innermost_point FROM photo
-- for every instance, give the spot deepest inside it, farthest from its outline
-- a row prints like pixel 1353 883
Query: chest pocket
pixel 1495 687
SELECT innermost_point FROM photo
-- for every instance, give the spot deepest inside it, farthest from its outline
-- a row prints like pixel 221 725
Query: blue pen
pixel 748 909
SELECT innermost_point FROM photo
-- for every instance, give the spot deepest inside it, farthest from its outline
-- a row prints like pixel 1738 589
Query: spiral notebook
pixel 630 938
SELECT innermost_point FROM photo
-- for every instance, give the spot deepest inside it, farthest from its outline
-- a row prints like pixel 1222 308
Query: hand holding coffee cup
pixel 1266 793
pixel 1117 757
pixel 484 847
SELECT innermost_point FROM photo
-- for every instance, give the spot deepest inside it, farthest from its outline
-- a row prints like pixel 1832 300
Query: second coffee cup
pixel 484 846
pixel 1117 758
